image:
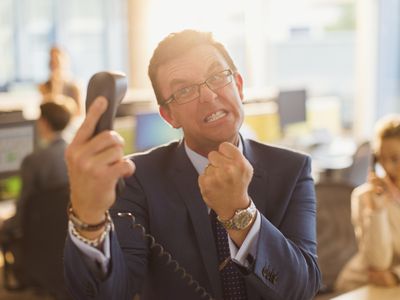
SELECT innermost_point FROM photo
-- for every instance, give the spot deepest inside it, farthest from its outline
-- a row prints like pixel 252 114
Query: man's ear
pixel 239 84
pixel 168 116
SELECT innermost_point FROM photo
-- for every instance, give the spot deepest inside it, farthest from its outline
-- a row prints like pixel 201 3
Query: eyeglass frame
pixel 172 97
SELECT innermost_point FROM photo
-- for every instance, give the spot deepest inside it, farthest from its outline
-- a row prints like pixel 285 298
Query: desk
pixel 370 292
pixel 336 155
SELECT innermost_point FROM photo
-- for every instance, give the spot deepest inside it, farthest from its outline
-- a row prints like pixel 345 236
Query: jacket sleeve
pixel 127 266
pixel 285 266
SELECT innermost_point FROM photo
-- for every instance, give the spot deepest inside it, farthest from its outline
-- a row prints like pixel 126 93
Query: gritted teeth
pixel 215 116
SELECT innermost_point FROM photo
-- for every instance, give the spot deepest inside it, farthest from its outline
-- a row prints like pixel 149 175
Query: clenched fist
pixel 225 181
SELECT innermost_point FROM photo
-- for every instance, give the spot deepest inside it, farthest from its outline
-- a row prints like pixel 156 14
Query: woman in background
pixel 59 83
pixel 375 209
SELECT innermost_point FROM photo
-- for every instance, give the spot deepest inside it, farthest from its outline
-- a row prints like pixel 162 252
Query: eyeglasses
pixel 192 92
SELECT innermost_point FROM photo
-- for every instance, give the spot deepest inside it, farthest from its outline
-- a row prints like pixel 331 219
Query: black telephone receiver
pixel 113 86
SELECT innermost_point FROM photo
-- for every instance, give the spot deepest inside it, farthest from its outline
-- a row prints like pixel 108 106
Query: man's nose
pixel 206 93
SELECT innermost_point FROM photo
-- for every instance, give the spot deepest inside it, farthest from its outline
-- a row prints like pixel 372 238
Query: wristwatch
pixel 241 219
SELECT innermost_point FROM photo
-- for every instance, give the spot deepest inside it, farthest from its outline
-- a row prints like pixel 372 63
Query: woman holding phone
pixel 375 210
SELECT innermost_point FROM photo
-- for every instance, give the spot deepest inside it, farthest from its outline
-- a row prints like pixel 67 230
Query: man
pixel 263 196
pixel 41 170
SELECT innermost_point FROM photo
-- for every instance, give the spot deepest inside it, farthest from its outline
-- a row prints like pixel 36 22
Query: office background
pixel 336 48
pixel 337 60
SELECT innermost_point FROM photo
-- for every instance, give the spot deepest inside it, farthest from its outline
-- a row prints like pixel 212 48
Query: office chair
pixel 357 173
pixel 44 231
pixel 335 233
pixel 41 243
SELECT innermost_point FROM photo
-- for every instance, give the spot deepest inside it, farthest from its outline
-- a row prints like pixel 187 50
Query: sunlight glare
pixel 207 15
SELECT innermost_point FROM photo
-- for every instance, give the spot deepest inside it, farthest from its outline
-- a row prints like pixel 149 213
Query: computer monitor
pixel 125 127
pixel 291 107
pixel 151 131
pixel 17 140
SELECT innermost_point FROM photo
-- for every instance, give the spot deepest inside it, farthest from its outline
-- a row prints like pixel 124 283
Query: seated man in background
pixel 375 209
pixel 43 169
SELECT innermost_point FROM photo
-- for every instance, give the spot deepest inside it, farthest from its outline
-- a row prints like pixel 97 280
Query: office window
pixel 84 31
pixel 93 33
pixel 225 18
pixel 276 43
pixel 6 40
pixel 312 45
pixel 33 34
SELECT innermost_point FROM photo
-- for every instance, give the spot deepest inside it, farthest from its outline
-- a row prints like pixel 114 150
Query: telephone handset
pixel 374 161
pixel 113 86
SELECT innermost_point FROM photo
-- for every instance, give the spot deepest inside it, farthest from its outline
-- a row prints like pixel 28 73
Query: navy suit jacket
pixel 164 196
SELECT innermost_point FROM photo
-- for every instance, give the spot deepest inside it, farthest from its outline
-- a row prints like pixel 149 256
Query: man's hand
pixel 225 181
pixel 383 278
pixel 94 166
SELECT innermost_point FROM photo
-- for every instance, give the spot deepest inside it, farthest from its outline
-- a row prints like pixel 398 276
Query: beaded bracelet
pixel 95 242
pixel 82 226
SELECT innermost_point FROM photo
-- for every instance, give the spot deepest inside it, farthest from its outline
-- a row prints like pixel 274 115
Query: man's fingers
pixel 103 141
pixel 226 155
pixel 110 164
pixel 109 156
pixel 86 130
pixel 229 150
pixel 123 168
pixel 217 159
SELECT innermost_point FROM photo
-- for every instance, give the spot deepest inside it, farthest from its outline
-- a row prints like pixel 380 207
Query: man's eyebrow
pixel 213 67
pixel 177 81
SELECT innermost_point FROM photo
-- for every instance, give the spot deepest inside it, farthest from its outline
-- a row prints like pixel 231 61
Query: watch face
pixel 243 219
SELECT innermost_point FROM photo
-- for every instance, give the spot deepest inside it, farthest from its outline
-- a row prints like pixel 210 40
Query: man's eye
pixel 216 77
pixel 185 91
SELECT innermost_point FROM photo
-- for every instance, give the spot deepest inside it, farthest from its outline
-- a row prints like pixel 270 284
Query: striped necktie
pixel 233 285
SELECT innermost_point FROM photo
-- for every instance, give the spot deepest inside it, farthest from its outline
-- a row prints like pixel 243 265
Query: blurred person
pixel 237 214
pixel 375 210
pixel 60 81
pixel 43 169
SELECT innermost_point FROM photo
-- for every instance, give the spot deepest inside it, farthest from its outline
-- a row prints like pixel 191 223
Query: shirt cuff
pixel 96 260
pixel 249 246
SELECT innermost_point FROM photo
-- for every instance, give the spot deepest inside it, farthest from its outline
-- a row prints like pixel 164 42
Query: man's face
pixel 215 116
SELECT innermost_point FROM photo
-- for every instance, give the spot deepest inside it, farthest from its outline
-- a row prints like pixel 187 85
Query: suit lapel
pixel 259 185
pixel 185 177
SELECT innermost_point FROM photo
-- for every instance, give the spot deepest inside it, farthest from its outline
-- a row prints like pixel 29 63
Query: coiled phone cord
pixel 163 253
